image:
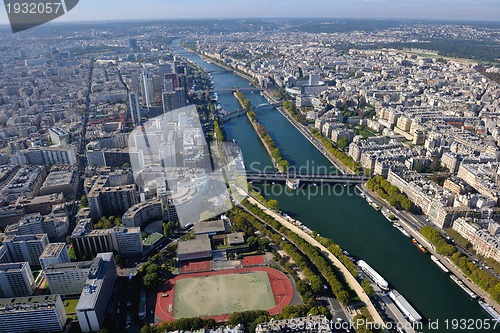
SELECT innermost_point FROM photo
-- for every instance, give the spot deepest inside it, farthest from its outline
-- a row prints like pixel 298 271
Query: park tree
pixel 367 287
pixel 273 204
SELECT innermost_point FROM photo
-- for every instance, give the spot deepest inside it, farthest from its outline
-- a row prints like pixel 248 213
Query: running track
pixel 281 287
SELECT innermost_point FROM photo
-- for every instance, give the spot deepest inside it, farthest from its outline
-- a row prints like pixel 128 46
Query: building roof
pixel 70 266
pixel 236 238
pixel 199 244
pixel 23 304
pixel 209 227
pixel 52 250
pixel 93 286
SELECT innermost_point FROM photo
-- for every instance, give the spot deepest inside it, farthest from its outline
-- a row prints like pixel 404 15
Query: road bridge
pixel 307 178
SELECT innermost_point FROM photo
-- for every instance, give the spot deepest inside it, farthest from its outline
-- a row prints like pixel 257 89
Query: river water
pixel 340 214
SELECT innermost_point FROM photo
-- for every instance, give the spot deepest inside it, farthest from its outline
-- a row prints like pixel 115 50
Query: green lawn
pixel 70 306
pixel 222 294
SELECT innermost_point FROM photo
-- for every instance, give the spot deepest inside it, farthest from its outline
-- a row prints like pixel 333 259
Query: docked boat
pixel 440 265
pixel 403 231
pixel 492 312
pixel 372 274
pixel 404 306
pixel 418 245
pixel 293 183
pixel 463 286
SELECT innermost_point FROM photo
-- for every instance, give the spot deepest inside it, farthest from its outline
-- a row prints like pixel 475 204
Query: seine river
pixel 341 215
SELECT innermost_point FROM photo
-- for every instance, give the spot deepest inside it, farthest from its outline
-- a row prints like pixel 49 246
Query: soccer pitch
pixel 222 294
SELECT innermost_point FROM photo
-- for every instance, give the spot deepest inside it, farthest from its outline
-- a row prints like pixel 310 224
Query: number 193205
pixel 34 8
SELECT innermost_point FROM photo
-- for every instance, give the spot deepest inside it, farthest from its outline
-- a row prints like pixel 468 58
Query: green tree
pixel 342 143
pixel 273 205
pixel 343 297
pixel 367 287
pixel 84 202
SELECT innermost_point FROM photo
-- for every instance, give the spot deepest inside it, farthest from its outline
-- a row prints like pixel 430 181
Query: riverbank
pixel 349 278
pixel 277 159
pixel 304 130
pixel 346 219
pixel 414 231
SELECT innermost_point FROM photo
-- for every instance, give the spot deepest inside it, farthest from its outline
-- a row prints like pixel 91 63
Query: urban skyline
pixel 463 10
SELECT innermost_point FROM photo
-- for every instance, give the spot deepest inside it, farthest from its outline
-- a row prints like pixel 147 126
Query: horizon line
pixel 266 18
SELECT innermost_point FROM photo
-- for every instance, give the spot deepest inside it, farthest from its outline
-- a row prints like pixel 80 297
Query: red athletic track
pixel 193 267
pixel 253 261
pixel 281 287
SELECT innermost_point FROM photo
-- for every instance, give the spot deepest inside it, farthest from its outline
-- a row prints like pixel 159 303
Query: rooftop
pixel 27 303
pixel 53 250
pixel 209 227
pixel 199 244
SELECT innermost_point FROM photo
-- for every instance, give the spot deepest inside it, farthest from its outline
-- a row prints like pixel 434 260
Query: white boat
pixel 293 183
pixel 440 265
pixel 491 311
pixel 404 306
pixel 463 286
pixel 403 231
pixel 372 274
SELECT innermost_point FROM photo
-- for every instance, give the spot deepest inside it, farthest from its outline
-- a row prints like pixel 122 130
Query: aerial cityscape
pixel 245 173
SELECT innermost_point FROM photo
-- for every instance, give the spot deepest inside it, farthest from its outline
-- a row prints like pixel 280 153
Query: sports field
pixel 221 294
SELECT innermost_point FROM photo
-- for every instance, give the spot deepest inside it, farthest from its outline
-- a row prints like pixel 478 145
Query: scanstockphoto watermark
pixel 309 168
pixel 324 325
pixel 307 191
pixel 27 14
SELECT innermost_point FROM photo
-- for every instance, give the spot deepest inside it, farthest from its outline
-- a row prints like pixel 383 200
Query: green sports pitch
pixel 222 294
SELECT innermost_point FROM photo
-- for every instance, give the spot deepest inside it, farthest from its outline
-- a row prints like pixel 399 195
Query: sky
pixel 177 9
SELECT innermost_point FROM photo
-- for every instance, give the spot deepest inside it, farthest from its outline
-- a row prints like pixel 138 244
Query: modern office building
pixel 88 244
pixel 54 253
pixel 127 241
pixel 16 280
pixel 91 308
pixel 124 241
pixel 173 100
pixel 69 278
pixel 27 248
pixel 134 107
pixel 32 314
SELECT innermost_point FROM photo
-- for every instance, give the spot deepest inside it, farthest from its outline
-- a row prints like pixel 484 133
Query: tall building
pixel 88 244
pixel 54 253
pixel 173 100
pixel 59 137
pixel 27 248
pixel 147 88
pixel 105 200
pixel 69 278
pixel 4 255
pixel 32 314
pixel 16 280
pixel 91 307
pixel 124 241
pixel 134 107
pixel 127 241
pixel 64 155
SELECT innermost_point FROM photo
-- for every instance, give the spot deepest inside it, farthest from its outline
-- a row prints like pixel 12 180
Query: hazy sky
pixel 147 9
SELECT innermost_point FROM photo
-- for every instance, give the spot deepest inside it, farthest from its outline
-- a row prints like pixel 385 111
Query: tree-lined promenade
pixel 277 158
pixel 349 278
